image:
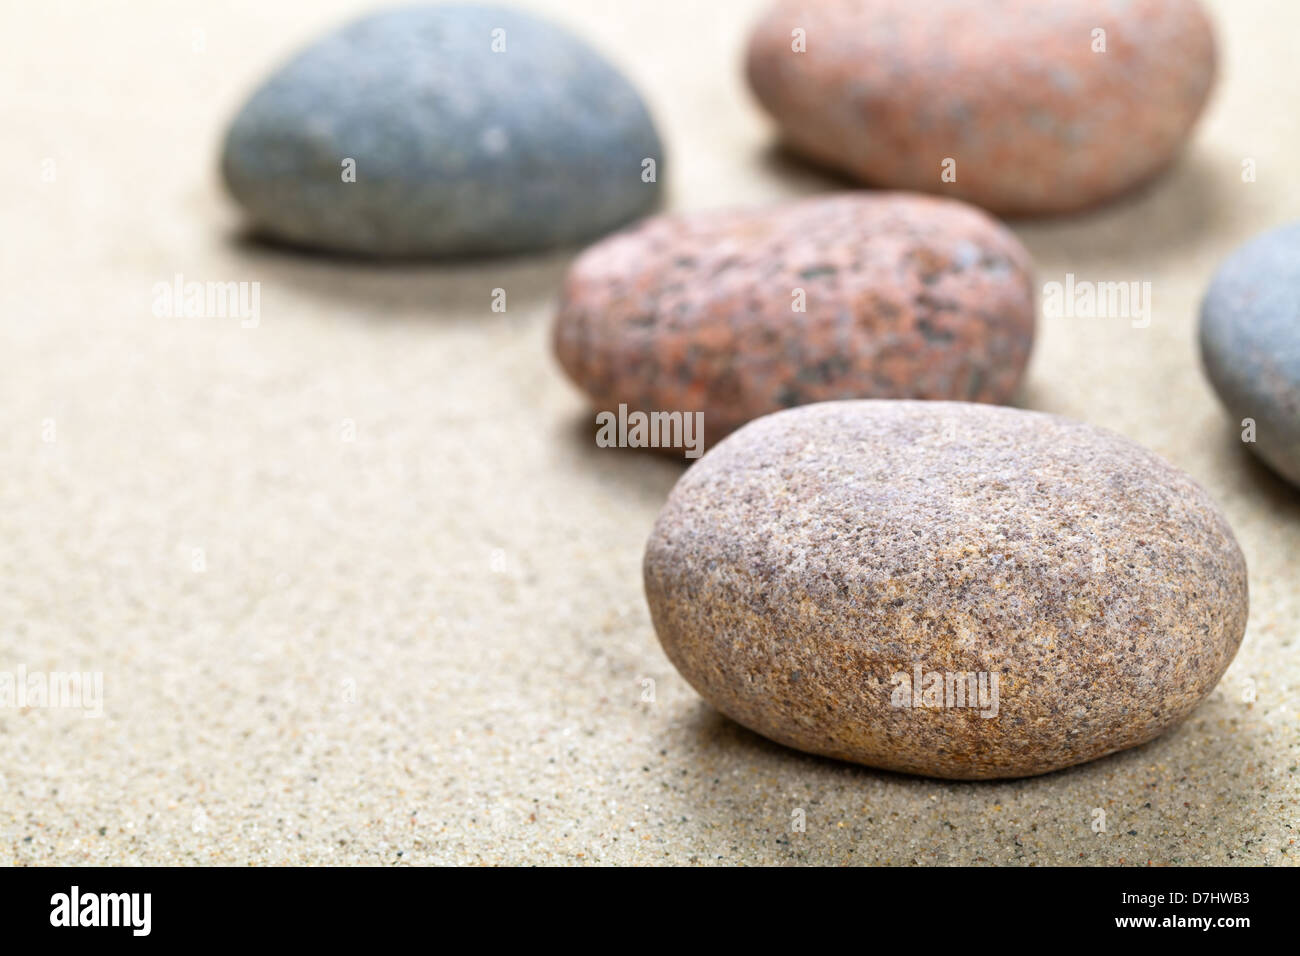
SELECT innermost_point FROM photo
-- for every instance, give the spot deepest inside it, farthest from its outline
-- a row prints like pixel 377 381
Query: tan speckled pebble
pixel 1042 106
pixel 812 559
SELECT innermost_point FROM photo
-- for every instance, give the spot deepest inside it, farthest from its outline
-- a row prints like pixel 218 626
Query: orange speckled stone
pixel 1012 90
pixel 811 561
pixel 903 296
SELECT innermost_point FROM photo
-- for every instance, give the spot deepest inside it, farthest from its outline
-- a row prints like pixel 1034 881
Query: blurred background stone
pixel 1250 344
pixel 1021 106
pixel 443 130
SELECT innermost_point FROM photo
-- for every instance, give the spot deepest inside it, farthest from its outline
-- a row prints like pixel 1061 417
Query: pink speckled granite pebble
pixel 903 296
pixel 1037 117
pixel 810 559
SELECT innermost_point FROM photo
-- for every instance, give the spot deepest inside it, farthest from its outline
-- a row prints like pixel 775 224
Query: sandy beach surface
pixel 359 583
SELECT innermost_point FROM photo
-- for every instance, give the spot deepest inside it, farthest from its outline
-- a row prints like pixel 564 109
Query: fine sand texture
pixel 361 587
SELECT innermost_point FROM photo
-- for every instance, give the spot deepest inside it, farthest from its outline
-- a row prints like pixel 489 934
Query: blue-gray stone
pixel 474 130
pixel 1250 343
